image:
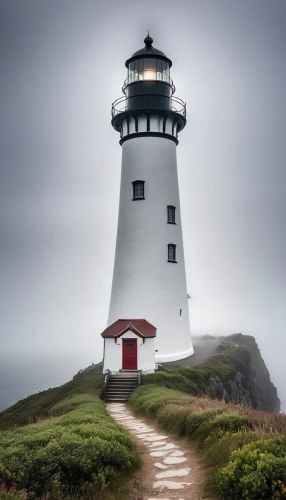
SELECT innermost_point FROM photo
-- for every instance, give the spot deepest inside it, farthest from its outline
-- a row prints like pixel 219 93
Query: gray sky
pixel 61 66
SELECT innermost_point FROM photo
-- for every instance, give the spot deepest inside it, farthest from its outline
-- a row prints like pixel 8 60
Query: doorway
pixel 129 354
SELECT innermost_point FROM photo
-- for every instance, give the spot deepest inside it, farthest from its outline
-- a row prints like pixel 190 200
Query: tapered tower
pixel 149 279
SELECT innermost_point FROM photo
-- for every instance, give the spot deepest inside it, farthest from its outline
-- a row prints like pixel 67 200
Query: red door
pixel 129 354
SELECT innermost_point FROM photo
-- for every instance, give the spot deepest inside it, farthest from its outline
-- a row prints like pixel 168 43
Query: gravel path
pixel 170 470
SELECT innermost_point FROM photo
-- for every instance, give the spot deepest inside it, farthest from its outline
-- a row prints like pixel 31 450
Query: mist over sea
pixel 23 375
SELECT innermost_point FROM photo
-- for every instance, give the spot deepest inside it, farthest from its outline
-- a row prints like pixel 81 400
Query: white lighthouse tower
pixel 149 279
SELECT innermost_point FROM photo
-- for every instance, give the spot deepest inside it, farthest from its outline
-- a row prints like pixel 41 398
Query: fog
pixel 61 66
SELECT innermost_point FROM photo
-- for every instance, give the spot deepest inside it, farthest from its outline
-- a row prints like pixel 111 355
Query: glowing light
pixel 149 74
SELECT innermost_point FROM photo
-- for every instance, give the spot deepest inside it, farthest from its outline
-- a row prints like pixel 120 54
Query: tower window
pixel 172 252
pixel 138 190
pixel 171 214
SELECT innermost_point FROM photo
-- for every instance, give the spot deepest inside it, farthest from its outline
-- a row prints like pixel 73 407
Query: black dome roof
pixel 148 51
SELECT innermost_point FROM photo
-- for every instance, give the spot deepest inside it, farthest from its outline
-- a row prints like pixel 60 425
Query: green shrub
pixel 196 419
pixel 174 417
pixel 82 450
pixel 197 376
pixel 11 494
pixel 226 422
pixel 150 398
pixel 257 471
pixel 217 366
pixel 70 403
pixel 219 451
pixel 171 380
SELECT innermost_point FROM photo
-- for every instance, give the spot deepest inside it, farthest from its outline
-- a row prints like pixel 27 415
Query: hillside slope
pixel 72 436
pixel 229 368
pixel 244 450
pixel 75 451
pixel 37 406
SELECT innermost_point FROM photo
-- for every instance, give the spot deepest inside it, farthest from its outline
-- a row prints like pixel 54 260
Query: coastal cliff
pixel 70 427
pixel 253 388
pixel 225 368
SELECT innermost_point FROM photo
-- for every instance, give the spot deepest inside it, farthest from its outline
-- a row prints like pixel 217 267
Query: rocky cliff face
pixel 232 369
pixel 254 387
pixel 237 390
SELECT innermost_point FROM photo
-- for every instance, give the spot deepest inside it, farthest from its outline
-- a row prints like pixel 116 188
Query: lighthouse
pixel 149 278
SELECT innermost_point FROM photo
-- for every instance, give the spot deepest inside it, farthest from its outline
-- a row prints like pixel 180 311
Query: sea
pixel 23 375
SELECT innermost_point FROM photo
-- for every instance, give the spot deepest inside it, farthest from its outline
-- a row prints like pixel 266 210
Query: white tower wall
pixel 145 285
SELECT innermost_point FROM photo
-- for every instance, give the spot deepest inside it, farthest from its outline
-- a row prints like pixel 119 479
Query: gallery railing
pixel 148 101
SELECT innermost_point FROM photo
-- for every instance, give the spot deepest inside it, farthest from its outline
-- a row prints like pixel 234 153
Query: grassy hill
pixel 229 368
pixel 36 407
pixel 244 449
pixel 212 370
pixel 61 443
pixel 72 450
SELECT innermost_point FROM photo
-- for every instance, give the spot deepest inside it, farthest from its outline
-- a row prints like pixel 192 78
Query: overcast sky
pixel 61 66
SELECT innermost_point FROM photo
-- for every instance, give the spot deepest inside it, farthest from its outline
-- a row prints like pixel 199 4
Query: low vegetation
pixel 257 470
pixel 11 493
pixel 62 444
pixel 36 407
pixel 76 451
pixel 236 354
pixel 244 448
pixel 195 380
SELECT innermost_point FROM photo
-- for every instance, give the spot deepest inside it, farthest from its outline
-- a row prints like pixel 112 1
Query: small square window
pixel 171 253
pixel 138 190
pixel 171 214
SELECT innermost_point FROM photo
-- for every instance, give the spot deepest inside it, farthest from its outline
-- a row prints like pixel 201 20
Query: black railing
pixel 170 104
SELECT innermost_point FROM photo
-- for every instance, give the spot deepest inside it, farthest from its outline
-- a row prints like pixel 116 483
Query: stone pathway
pixel 170 471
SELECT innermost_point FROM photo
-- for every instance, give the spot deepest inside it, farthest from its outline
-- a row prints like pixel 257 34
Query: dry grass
pixel 264 423
pixel 220 431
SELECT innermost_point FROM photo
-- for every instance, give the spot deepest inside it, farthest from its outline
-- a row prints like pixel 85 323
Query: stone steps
pixel 120 386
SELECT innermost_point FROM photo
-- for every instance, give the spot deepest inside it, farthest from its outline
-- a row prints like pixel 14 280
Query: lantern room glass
pixel 148 69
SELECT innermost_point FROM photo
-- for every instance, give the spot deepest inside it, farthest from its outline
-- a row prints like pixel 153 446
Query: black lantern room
pixel 148 106
pixel 148 65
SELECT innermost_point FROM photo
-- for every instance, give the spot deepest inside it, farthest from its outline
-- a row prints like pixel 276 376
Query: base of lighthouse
pixel 173 357
pixel 146 284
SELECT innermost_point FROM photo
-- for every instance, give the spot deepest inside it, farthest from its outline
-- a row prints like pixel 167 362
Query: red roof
pixel 139 326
